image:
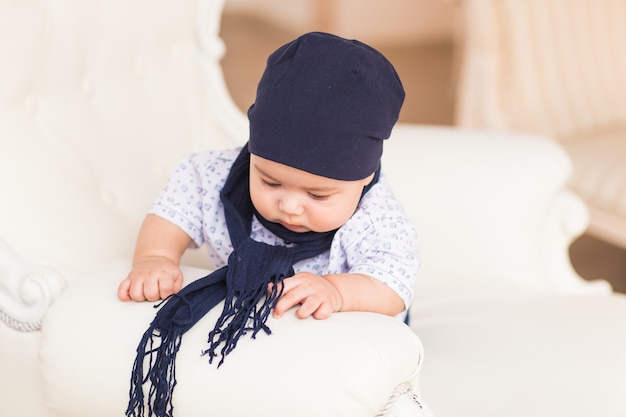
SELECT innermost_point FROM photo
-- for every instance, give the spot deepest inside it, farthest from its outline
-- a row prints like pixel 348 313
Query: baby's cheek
pixel 327 219
pixel 260 201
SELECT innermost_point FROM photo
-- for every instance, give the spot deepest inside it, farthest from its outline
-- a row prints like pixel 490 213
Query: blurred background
pixel 421 39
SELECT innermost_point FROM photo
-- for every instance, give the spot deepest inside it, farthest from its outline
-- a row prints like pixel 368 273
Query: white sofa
pixel 99 100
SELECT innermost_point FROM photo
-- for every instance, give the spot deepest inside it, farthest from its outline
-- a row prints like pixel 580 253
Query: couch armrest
pixel 348 365
pixel 490 207
pixel 26 291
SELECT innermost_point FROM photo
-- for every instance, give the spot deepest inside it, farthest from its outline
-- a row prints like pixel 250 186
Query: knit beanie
pixel 324 105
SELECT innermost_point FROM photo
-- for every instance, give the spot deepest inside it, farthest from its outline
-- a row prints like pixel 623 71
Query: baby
pixel 311 170
pixel 301 216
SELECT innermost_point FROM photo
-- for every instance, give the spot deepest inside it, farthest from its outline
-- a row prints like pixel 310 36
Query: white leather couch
pixel 99 100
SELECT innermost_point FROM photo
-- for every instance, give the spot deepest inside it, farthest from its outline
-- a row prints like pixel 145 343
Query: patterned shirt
pixel 378 240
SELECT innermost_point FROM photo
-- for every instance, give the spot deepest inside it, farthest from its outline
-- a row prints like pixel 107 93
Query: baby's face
pixel 299 200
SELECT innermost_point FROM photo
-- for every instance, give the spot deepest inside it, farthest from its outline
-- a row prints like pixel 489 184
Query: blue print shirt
pixel 378 240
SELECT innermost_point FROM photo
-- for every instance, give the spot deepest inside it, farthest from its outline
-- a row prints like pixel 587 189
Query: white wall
pixel 377 21
pixel 291 14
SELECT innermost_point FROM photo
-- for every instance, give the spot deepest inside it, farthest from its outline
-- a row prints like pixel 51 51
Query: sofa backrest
pixel 98 101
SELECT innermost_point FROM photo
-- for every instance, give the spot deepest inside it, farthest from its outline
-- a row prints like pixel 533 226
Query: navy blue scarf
pixel 242 284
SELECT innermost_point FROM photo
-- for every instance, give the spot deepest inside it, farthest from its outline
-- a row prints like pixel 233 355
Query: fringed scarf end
pixel 244 312
pixel 160 373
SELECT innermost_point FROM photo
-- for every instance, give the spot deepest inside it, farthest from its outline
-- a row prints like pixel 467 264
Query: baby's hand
pixel 317 296
pixel 151 279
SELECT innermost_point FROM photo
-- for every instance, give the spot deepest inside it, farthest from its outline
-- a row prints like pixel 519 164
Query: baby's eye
pixel 318 197
pixel 271 184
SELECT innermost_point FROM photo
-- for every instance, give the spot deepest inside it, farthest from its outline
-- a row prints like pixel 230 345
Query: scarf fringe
pixel 242 314
pixel 161 373
pixel 157 350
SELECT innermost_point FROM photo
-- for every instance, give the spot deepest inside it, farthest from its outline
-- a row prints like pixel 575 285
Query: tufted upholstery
pixel 99 99
pixel 554 68
pixel 84 77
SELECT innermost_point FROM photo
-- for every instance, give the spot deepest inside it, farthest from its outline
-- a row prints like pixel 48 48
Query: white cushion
pixel 486 204
pixel 352 361
pixel 514 354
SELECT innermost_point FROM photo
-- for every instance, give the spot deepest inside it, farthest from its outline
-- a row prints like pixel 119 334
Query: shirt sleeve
pixel 386 245
pixel 192 192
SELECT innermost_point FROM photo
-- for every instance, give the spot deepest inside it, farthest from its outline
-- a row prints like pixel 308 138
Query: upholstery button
pixel 177 51
pixel 216 48
pixel 30 105
pixel 108 197
pixel 139 67
pixel 87 87
pixel 181 53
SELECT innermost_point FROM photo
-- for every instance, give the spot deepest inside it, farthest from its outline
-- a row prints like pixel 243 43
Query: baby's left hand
pixel 317 296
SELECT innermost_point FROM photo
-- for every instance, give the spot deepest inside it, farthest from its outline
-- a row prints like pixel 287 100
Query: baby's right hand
pixel 151 279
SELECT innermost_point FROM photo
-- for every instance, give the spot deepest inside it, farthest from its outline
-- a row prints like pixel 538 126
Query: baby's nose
pixel 290 205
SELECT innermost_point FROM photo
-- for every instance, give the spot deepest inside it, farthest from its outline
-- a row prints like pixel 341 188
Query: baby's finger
pixel 289 299
pixel 151 290
pixel 323 312
pixel 136 292
pixel 308 307
pixel 123 291
pixel 167 287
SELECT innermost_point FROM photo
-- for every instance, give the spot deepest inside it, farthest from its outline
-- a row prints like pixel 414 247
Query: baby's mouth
pixel 292 227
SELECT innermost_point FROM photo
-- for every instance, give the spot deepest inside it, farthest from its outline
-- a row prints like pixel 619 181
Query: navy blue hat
pixel 324 105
